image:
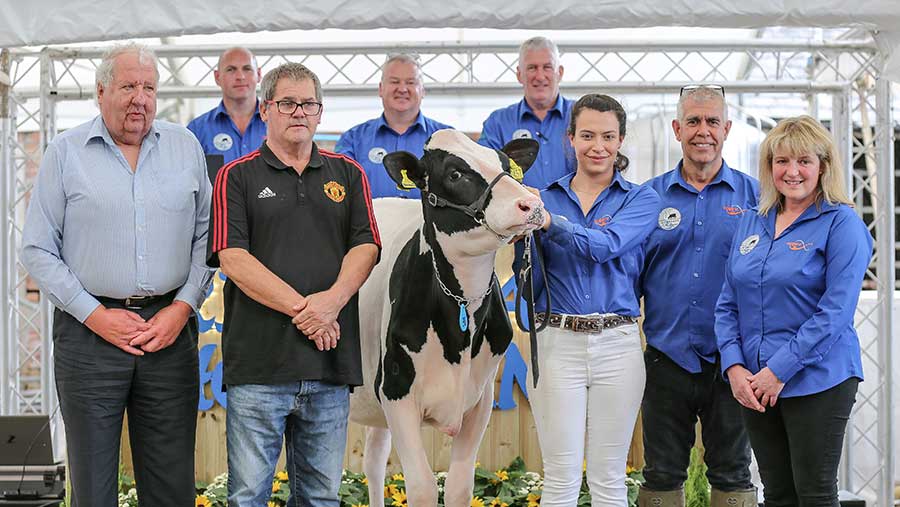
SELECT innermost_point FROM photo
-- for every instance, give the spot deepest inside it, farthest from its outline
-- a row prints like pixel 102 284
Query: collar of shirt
pixel 315 159
pixel 725 175
pixel 565 184
pixel 221 111
pixel 525 109
pixel 99 130
pixel 814 211
pixel 381 123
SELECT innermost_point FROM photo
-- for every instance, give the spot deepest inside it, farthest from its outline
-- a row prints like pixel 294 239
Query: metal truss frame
pixel 847 71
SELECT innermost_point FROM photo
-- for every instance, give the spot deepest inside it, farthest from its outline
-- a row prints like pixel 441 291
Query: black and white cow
pixel 434 325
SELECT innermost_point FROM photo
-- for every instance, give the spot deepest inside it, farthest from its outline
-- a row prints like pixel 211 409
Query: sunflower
pixel 477 502
pixel 399 498
pixel 203 501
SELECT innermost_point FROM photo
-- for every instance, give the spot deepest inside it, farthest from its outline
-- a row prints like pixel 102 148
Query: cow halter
pixel 461 301
pixel 474 210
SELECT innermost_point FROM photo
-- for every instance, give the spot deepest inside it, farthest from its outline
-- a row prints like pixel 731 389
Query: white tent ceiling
pixel 40 22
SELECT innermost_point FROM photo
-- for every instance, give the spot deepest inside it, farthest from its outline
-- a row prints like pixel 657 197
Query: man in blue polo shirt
pixel 542 115
pixel 233 128
pixel 402 126
pixel 702 200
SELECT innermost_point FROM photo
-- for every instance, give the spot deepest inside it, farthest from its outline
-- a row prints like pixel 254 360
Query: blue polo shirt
pixel 369 142
pixel 788 301
pixel 219 136
pixel 594 260
pixel 556 157
pixel 685 259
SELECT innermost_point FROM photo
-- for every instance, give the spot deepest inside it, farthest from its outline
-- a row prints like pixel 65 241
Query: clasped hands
pixel 132 334
pixel 754 391
pixel 316 317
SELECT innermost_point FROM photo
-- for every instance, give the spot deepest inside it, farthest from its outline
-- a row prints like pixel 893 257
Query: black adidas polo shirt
pixel 300 228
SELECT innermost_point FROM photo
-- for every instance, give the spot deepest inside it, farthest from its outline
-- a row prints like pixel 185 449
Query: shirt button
pixel 587 296
pixel 302 195
pixel 141 257
pixel 699 249
pixel 694 302
pixel 696 275
pixel 699 222
pixel 701 197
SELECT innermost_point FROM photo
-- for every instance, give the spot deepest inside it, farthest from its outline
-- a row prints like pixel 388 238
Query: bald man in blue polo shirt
pixel 402 126
pixel 233 128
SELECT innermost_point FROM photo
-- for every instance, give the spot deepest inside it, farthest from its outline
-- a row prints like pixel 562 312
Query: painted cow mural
pixel 433 322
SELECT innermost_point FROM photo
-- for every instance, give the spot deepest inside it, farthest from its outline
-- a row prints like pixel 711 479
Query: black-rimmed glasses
pixel 691 88
pixel 289 107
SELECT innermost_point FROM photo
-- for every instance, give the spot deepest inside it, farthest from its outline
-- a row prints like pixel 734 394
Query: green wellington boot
pixel 740 498
pixel 648 498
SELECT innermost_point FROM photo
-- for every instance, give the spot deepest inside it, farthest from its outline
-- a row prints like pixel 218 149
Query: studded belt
pixel 580 324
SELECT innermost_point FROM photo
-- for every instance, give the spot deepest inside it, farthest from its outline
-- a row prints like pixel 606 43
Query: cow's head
pixel 468 188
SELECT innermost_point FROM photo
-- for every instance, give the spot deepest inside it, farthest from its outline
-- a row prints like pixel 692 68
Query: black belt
pixel 137 302
pixel 586 324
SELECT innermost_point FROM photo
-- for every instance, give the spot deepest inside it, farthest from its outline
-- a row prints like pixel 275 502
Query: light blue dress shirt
pixel 555 159
pixel 369 142
pixel 95 228
pixel 788 301
pixel 685 261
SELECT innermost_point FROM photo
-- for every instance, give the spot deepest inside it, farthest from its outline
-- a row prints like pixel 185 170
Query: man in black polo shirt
pixel 292 227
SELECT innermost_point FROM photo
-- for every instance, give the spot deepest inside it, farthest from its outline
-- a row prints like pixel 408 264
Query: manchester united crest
pixel 335 191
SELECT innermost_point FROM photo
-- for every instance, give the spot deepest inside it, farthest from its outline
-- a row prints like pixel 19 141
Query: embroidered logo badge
pixel 799 245
pixel 749 244
pixel 522 134
pixel 669 219
pixel 265 193
pixel 222 141
pixel 734 210
pixel 603 221
pixel 376 155
pixel 335 191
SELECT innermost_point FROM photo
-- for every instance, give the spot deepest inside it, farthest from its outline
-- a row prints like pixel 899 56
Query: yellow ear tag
pixel 515 171
pixel 406 183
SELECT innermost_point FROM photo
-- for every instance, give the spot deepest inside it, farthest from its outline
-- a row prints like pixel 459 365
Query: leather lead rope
pixel 525 287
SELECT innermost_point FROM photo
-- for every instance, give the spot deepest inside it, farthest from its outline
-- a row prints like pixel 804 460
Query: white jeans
pixel 585 406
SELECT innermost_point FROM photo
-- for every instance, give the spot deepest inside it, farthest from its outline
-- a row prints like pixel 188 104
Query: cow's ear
pixel 523 153
pixel 404 169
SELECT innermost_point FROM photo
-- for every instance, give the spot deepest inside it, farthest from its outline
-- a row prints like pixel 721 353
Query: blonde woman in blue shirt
pixel 784 320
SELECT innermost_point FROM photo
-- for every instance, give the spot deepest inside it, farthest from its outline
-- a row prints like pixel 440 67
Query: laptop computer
pixel 25 440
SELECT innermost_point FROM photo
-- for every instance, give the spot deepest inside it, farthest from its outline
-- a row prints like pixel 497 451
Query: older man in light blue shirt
pixel 115 236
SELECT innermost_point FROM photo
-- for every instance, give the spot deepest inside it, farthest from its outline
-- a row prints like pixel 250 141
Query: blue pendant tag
pixel 463 318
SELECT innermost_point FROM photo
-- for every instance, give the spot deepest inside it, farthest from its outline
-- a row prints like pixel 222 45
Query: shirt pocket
pixel 175 188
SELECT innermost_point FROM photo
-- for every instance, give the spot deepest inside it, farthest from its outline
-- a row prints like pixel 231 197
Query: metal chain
pixel 461 301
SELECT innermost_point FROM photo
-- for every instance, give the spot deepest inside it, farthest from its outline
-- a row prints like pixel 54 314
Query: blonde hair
pixel 798 136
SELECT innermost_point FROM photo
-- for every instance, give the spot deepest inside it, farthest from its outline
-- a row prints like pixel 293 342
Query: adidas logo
pixel 266 192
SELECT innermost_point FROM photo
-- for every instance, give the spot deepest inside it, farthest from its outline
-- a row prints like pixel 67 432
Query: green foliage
pixel 696 488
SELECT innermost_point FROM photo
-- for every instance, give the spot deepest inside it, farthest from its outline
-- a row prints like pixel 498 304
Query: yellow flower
pixel 360 505
pixel 271 503
pixel 390 490
pixel 365 480
pixel 276 486
pixel 202 501
pixel 477 502
pixel 533 500
pixel 503 475
pixel 282 476
pixel 497 503
pixel 397 477
pixel 399 498
pixel 477 464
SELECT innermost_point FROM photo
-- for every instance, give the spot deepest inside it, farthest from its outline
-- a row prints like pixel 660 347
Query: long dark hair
pixel 602 104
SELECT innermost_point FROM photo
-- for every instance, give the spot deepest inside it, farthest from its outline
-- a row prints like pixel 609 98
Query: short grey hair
pixel 701 94
pixel 106 70
pixel 292 71
pixel 538 43
pixel 410 58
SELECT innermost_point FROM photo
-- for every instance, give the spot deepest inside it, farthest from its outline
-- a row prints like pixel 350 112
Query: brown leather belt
pixel 586 324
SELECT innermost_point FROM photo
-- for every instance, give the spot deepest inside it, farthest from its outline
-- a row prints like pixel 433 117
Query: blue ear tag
pixel 463 317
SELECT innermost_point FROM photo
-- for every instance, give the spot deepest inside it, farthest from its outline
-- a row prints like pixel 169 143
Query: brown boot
pixel 739 498
pixel 647 498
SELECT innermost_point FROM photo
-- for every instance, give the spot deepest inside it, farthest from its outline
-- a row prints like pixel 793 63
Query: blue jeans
pixel 311 418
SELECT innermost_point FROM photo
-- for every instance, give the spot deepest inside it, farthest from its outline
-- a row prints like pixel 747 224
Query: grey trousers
pixel 97 383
